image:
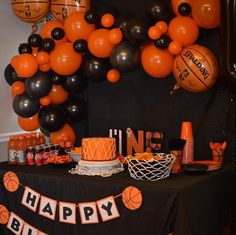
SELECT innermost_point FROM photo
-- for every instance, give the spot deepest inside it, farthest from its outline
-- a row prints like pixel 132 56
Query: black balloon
pixel 162 42
pixel 25 106
pixel 34 40
pixel 47 45
pixel 74 83
pixel 10 75
pixel 158 10
pixel 25 48
pixel 125 57
pixel 92 16
pixel 51 118
pixel 57 33
pixel 56 78
pixel 75 110
pixel 80 46
pixel 95 68
pixel 136 30
pixel 122 21
pixel 39 85
pixel 184 9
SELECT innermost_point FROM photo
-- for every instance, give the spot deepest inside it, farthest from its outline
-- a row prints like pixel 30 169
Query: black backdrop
pixel 144 103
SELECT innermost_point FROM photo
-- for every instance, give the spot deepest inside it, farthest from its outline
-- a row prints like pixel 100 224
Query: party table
pixel 183 204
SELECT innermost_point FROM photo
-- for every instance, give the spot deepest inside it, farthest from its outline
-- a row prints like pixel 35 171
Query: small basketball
pixel 4 214
pixel 195 68
pixel 30 11
pixel 62 8
pixel 11 181
pixel 132 198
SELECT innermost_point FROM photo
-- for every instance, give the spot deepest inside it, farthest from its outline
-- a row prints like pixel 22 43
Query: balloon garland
pixel 84 44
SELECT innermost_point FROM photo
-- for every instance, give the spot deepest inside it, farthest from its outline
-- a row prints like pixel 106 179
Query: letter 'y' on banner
pixel 48 207
pixel 29 230
pixel 107 208
pixel 88 213
pixel 15 224
pixel 67 212
pixel 30 199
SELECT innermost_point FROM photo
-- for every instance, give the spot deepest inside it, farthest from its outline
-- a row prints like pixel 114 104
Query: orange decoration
pixel 175 4
pixel 64 60
pixel 175 47
pixel 107 20
pixel 99 44
pixel 42 57
pixel 76 27
pixel 162 25
pixel 45 101
pixel 29 124
pixel 14 60
pixel 4 214
pixel 115 36
pixel 58 95
pixel 113 76
pixel 62 136
pixel 132 198
pixel 30 11
pixel 195 68
pixel 206 13
pixel 156 62
pixel 45 67
pixel 11 181
pixel 62 8
pixel 183 29
pixel 154 32
pixel 17 88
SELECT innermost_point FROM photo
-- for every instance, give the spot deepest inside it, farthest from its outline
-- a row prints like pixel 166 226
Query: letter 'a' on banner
pixel 88 213
pixel 67 212
pixel 30 199
pixel 15 224
pixel 47 207
pixel 107 208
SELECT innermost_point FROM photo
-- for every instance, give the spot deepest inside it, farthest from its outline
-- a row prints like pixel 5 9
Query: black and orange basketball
pixel 4 214
pixel 132 197
pixel 62 8
pixel 11 181
pixel 195 68
pixel 31 11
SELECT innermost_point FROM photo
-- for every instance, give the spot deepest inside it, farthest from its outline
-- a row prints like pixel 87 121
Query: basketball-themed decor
pixel 218 149
pixel 195 68
pixel 30 11
pixel 62 8
pixel 11 181
pixel 132 198
pixel 4 214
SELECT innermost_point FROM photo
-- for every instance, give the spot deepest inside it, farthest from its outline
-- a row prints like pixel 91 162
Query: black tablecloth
pixel 183 204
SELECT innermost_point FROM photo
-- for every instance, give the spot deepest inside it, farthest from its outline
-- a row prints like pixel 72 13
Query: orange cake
pixel 98 149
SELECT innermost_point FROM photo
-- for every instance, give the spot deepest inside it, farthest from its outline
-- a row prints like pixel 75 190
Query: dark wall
pixel 144 103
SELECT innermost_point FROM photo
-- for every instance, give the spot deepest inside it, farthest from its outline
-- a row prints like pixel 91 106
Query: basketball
pixel 62 8
pixel 132 198
pixel 195 68
pixel 30 11
pixel 4 214
pixel 11 181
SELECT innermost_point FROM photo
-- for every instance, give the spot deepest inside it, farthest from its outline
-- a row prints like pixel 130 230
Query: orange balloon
pixel 57 94
pixel 45 67
pixel 64 60
pixel 14 60
pixel 154 32
pixel 115 36
pixel 162 25
pixel 175 4
pixel 175 47
pixel 25 65
pixel 206 13
pixel 47 28
pixel 42 57
pixel 183 29
pixel 65 134
pixel 29 124
pixel 76 27
pixel 45 101
pixel 99 44
pixel 17 88
pixel 107 20
pixel 113 76
pixel 156 62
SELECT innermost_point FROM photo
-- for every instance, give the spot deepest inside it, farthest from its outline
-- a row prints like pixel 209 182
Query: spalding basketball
pixel 195 68
pixel 62 8
pixel 31 11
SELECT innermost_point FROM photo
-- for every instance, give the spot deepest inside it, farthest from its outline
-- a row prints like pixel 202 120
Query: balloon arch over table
pixel 80 43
